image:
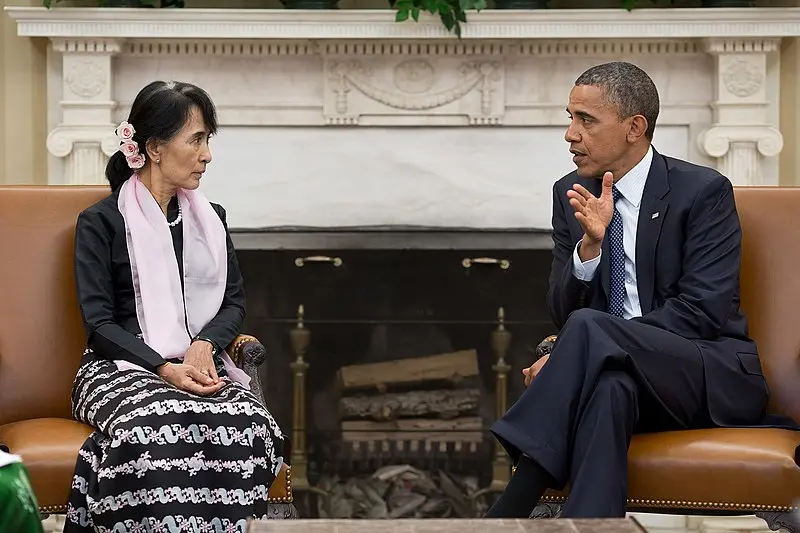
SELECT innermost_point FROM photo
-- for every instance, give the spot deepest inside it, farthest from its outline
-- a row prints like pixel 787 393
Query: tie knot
pixel 615 193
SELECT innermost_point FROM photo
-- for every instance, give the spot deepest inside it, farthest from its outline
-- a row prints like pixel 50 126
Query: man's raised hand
pixel 593 214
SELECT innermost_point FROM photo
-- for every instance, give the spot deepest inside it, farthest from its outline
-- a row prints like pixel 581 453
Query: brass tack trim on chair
pixel 242 340
pixel 238 357
pixel 289 498
pixel 53 509
pixel 684 504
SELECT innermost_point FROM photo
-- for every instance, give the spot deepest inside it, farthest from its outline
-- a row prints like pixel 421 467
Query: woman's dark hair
pixel 158 113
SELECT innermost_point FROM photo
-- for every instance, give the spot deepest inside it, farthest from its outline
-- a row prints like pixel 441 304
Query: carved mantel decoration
pixel 717 71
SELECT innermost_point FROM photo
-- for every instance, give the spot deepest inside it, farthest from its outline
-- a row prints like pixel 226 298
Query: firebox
pixel 387 365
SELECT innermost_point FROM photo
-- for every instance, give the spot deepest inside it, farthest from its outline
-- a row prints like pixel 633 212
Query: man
pixel 19 511
pixel 644 286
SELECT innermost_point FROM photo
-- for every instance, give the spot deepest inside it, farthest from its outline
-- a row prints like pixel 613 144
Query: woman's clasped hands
pixel 197 374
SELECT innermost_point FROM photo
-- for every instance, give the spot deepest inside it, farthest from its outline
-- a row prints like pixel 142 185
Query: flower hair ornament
pixel 129 147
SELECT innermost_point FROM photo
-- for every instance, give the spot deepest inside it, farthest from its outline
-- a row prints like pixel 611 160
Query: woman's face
pixel 183 160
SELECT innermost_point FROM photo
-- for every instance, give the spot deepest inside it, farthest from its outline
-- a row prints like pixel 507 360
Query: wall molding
pixel 360 24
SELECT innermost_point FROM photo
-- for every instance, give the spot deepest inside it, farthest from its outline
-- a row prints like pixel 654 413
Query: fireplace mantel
pixel 357 24
pixel 343 120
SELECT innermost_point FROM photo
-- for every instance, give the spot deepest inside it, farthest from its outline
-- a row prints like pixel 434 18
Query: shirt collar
pixel 631 185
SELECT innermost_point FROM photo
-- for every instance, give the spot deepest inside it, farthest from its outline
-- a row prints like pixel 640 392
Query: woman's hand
pixel 199 355
pixel 188 378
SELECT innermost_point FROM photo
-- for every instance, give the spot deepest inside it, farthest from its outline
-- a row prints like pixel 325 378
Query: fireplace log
pixel 443 404
pixel 464 429
pixel 453 368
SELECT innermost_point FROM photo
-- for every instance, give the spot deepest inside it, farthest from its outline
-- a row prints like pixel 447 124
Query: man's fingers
pixel 576 206
pixel 581 218
pixel 583 191
pixel 576 200
pixel 576 195
pixel 608 183
pixel 528 373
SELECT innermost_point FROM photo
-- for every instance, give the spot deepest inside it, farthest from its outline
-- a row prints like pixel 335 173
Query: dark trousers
pixel 606 379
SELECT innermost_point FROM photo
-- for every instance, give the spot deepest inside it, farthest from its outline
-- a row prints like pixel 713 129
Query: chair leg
pixel 789 522
pixel 53 522
pixel 547 510
pixel 281 511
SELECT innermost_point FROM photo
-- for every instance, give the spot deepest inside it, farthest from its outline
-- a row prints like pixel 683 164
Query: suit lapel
pixel 652 212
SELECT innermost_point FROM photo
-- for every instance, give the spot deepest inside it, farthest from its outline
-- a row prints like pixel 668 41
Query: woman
pixel 181 444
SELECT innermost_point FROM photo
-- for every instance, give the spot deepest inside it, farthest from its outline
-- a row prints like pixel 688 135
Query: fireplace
pixel 387 366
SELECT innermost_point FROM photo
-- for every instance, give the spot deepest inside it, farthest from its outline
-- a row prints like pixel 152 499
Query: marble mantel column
pixel 741 134
pixel 85 135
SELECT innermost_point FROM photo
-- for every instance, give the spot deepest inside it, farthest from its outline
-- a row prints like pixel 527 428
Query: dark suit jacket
pixel 105 287
pixel 687 269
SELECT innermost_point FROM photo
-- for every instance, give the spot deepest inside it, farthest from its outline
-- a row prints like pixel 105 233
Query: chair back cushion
pixel 42 338
pixel 41 334
pixel 770 283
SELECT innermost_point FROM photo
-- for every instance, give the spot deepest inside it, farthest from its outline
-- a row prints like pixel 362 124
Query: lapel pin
pixel 655 215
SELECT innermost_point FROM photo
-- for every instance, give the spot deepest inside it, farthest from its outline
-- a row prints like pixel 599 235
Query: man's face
pixel 598 139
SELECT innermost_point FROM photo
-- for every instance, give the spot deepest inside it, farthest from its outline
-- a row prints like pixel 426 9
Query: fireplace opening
pixel 387 368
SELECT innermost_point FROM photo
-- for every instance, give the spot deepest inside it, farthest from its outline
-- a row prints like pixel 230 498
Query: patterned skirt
pixel 164 460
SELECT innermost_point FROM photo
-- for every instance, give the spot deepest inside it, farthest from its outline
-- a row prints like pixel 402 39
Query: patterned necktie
pixel 616 293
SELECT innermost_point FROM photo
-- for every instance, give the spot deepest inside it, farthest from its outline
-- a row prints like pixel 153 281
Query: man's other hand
pixel 534 369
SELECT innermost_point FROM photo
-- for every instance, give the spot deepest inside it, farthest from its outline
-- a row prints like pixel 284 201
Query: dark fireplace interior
pixel 380 442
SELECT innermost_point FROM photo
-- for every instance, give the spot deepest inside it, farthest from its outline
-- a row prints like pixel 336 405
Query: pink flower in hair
pixel 135 161
pixel 125 131
pixel 129 148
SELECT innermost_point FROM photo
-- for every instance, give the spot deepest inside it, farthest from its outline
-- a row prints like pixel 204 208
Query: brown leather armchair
pixel 736 471
pixel 42 340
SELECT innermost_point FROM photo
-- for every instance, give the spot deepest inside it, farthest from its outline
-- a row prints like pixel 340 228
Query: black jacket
pixel 105 286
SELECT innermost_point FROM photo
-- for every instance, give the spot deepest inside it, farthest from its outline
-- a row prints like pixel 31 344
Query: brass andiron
pixel 501 340
pixel 300 337
pixel 501 466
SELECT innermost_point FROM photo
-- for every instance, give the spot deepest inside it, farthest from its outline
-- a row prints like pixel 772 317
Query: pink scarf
pixel 156 279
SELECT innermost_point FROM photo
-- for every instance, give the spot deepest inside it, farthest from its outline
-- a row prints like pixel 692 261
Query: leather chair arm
pixel 247 350
pixel 545 347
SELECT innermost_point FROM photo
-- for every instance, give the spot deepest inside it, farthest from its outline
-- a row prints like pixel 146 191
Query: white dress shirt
pixel 631 188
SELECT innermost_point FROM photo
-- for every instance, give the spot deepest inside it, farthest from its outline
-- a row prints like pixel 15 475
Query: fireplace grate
pixel 447 449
